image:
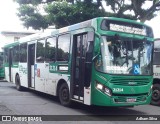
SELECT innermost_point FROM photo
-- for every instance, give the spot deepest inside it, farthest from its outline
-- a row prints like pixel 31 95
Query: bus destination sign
pixel 127 29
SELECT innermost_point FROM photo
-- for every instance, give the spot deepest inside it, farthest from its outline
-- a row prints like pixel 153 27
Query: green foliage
pixel 66 12
pixel 136 7
pixel 31 17
pixel 63 14
pixel 34 2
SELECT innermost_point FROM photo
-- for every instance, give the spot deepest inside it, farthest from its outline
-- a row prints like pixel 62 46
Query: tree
pixel 142 9
pixel 40 14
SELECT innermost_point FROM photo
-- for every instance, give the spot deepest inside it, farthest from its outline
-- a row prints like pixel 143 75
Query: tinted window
pixel 16 54
pixel 6 55
pixel 50 51
pixel 156 58
pixel 63 47
pixel 23 53
pixel 40 51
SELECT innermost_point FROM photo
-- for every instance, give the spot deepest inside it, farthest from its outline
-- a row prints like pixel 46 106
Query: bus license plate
pixel 131 100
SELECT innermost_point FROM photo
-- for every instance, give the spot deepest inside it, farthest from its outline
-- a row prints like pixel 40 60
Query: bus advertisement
pixel 105 61
pixel 156 70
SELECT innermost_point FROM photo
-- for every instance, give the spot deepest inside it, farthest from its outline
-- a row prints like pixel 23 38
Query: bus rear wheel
pixel 64 95
pixel 18 83
pixel 155 94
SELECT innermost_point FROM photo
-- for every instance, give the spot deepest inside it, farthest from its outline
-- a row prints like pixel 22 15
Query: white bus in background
pixel 156 70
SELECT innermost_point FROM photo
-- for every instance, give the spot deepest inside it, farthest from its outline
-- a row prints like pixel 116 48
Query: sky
pixel 10 22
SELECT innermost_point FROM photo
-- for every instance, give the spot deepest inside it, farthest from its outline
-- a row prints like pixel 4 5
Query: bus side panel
pixel 23 74
pixel 7 73
pixel 87 95
pixel 57 75
pixel 51 83
pixel 40 77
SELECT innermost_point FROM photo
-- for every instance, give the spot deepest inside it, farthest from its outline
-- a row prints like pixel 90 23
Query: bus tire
pixel 18 83
pixel 155 94
pixel 63 94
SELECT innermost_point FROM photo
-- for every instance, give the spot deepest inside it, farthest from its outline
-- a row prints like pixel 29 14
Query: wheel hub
pixel 156 95
pixel 65 94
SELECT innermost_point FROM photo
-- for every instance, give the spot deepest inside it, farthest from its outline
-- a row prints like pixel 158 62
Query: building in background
pixel 7 37
pixel 14 36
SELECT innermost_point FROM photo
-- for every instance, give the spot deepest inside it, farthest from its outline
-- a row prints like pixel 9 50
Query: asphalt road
pixel 28 102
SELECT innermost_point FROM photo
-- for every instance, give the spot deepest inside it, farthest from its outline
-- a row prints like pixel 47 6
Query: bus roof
pixel 88 23
pixel 10 45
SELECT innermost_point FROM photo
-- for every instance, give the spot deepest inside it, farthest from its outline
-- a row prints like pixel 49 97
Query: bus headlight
pixel 99 86
pixel 103 89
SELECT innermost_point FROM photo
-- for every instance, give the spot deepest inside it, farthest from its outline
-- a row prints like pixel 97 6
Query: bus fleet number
pixel 117 89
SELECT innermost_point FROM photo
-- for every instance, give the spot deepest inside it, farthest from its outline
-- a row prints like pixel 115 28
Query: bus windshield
pixel 125 56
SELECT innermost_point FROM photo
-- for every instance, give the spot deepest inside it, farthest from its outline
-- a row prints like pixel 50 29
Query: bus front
pixel 122 73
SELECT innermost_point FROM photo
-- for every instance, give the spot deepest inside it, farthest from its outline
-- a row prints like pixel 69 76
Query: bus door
pixel 31 62
pixel 79 66
pixel 10 64
pixel 40 66
pixel 82 66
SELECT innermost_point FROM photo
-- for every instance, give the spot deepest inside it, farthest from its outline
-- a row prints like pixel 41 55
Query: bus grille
pixel 130 82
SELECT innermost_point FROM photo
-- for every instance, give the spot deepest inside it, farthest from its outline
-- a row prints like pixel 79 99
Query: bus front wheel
pixel 63 94
pixel 18 83
pixel 155 94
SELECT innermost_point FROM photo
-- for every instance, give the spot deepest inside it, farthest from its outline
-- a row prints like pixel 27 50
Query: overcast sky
pixel 10 22
pixel 9 19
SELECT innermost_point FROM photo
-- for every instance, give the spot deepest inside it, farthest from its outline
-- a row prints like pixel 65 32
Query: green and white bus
pixel 104 61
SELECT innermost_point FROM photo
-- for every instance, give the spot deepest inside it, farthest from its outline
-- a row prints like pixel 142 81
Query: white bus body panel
pixel 87 95
pixel 40 76
pixel 7 73
pixel 23 74
pixel 45 81
pixel 51 83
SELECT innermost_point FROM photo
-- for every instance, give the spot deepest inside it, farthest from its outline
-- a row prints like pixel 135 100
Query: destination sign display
pixel 127 29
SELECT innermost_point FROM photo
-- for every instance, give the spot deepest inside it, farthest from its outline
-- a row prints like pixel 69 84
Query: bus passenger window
pixel 63 47
pixel 6 51
pixel 16 54
pixel 23 53
pixel 50 51
pixel 40 51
